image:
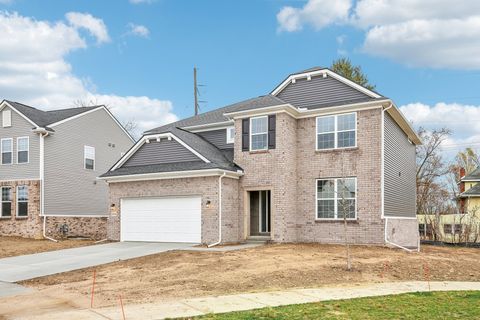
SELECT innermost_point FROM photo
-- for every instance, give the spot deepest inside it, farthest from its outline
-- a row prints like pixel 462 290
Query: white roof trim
pixel 5 103
pixel 173 175
pixel 209 126
pixel 143 140
pixel 328 72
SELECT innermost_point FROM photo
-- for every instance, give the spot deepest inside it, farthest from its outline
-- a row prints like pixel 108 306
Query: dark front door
pixel 260 213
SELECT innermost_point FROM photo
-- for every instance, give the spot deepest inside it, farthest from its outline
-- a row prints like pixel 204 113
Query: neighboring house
pixel 49 164
pixel 283 167
pixel 463 226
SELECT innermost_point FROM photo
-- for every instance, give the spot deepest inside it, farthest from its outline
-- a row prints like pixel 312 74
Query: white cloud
pixel 95 26
pixel 138 30
pixel 6 1
pixel 33 70
pixel 463 120
pixel 318 13
pixel 425 33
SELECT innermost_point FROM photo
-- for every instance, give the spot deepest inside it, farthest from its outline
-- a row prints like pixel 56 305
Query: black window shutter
pixel 271 131
pixel 245 134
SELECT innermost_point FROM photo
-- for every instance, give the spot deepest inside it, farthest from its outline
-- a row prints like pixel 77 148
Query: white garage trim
pixel 161 219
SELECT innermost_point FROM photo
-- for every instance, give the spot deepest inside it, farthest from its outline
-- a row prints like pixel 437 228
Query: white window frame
pixel 85 157
pixel 1 151
pixel 230 137
pixel 28 149
pixel 7 115
pixel 1 202
pixel 257 134
pixel 335 199
pixel 23 201
pixel 335 132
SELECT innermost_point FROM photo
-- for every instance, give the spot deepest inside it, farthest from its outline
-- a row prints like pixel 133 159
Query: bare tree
pixel 345 209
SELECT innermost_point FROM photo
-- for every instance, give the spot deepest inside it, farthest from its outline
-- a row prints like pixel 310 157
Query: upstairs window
pixel 6 118
pixel 89 158
pixel 23 145
pixel 6 146
pixel 336 132
pixel 259 133
pixel 336 198
pixel 230 134
pixel 22 201
pixel 6 208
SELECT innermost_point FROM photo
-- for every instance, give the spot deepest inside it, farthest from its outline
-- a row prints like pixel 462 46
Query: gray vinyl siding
pixel 399 172
pixel 69 188
pixel 20 128
pixel 217 137
pixel 165 151
pixel 317 91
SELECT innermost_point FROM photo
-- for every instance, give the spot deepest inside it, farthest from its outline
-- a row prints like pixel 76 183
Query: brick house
pixel 49 164
pixel 286 167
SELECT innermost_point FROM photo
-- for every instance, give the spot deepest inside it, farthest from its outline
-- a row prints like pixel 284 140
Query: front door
pixel 260 213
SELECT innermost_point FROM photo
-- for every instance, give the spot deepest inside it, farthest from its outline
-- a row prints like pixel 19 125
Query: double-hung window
pixel 22 201
pixel 89 158
pixel 6 208
pixel 230 134
pixel 6 146
pixel 23 145
pixel 336 198
pixel 6 118
pixel 259 133
pixel 337 131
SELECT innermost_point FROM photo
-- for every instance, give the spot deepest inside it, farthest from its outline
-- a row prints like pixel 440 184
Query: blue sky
pixel 137 56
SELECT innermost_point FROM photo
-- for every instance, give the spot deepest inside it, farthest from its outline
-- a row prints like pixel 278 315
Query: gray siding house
pixel 49 164
pixel 288 166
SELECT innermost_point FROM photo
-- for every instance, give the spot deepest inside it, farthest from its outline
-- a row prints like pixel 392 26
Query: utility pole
pixel 195 89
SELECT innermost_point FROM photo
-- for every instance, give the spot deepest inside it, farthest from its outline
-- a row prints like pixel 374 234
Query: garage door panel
pixel 172 219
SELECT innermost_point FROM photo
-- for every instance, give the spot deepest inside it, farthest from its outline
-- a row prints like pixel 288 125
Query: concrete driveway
pixel 31 266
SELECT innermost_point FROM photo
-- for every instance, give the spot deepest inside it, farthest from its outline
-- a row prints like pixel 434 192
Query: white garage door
pixel 172 219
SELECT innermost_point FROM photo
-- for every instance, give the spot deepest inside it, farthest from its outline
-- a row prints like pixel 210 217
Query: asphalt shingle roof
pixel 475 190
pixel 474 175
pixel 44 118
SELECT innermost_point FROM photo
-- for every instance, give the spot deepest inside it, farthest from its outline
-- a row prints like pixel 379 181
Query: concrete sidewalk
pixel 249 301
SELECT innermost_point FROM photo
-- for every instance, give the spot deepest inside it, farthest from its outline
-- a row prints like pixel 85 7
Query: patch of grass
pixel 435 305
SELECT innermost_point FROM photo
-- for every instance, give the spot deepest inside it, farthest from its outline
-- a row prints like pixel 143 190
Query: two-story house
pixel 286 167
pixel 49 164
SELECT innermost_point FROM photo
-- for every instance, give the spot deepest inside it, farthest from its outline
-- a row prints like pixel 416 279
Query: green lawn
pixel 435 305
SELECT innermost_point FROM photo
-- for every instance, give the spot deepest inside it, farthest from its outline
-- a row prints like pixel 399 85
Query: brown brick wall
pixel 363 162
pixel 89 227
pixel 27 227
pixel 274 170
pixel 207 187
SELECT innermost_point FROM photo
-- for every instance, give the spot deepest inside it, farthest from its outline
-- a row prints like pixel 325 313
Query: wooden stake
pixel 93 287
pixel 121 304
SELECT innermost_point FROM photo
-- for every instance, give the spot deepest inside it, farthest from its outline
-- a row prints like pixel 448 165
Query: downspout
pixel 383 184
pixel 219 211
pixel 42 188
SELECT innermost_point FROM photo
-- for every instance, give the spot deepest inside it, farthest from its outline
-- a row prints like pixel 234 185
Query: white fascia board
pixel 119 124
pixel 173 175
pixel 75 116
pixel 210 126
pixel 281 108
pixel 469 180
pixel 142 141
pixel 5 103
pixel 328 72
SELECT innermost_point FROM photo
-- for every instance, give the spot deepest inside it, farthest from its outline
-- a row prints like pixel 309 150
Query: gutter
pixel 219 211
pixel 43 133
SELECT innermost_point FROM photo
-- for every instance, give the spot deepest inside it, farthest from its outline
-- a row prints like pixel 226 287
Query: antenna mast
pixel 195 89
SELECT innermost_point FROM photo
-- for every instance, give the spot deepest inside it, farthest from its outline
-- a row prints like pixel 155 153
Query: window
pixel 421 229
pixel 23 145
pixel 339 131
pixel 259 133
pixel 458 228
pixel 6 208
pixel 89 158
pixel 447 228
pixel 230 134
pixel 22 201
pixel 336 198
pixel 6 118
pixel 7 150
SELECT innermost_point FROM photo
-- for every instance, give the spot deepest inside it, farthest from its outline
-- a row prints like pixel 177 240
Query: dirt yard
pixel 16 246
pixel 192 274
